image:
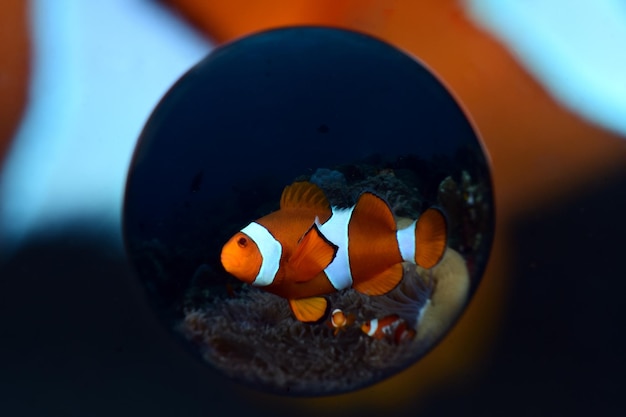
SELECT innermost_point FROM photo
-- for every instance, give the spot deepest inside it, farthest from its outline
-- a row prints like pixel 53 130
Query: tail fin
pixel 431 236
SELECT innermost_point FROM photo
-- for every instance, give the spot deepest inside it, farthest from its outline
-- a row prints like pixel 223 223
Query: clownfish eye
pixel 242 242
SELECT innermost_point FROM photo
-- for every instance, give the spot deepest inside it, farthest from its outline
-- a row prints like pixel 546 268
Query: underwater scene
pixel 309 210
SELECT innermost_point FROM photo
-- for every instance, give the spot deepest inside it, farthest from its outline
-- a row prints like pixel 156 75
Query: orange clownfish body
pixel 308 248
pixel 390 327
pixel 340 321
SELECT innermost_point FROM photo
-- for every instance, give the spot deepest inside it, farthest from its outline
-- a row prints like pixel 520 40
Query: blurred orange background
pixel 540 152
pixel 14 68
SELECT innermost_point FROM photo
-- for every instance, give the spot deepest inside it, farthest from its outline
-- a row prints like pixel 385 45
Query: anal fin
pixel 309 310
pixel 382 282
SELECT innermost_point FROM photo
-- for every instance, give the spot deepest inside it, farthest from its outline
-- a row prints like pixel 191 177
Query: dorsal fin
pixel 375 210
pixel 304 195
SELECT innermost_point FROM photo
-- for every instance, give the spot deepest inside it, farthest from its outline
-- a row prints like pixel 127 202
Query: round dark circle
pixel 266 110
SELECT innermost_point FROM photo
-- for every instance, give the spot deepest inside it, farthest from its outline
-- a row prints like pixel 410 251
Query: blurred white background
pixel 575 48
pixel 100 67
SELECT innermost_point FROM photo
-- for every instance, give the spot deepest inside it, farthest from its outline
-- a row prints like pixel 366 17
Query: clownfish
pixel 340 320
pixel 404 333
pixel 307 248
pixel 390 327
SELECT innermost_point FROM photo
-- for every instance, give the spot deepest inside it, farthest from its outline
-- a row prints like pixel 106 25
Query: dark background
pixel 265 110
pixel 79 340
pixel 78 337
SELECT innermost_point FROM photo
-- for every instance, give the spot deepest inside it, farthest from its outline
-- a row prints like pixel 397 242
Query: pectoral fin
pixel 312 255
pixel 309 310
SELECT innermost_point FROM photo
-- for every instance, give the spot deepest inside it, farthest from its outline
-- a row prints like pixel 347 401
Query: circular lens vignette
pixel 365 142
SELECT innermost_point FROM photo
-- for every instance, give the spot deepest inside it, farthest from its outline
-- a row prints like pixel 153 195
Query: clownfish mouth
pixel 231 263
pixel 239 267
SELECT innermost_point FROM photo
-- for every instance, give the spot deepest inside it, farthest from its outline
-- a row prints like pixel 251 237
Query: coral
pixel 255 339
pixel 409 297
pixel 403 199
pixel 328 178
pixel 467 206
pixel 451 286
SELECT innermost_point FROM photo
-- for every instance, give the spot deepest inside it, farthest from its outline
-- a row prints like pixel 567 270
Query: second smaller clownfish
pixel 340 321
pixel 391 327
